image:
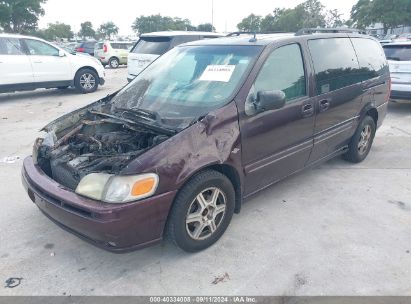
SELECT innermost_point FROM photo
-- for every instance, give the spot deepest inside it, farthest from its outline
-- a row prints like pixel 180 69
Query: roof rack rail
pixel 239 33
pixel 252 33
pixel 307 31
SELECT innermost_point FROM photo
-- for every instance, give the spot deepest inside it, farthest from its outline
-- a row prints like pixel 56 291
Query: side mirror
pixel 62 53
pixel 270 100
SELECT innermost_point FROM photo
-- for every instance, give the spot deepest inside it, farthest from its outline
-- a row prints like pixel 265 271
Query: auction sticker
pixel 221 73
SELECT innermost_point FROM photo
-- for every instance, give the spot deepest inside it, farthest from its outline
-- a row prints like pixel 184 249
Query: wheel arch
pixel 227 170
pixel 369 110
pixel 86 68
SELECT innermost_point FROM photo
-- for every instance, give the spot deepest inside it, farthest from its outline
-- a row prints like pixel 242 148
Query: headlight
pixel 117 189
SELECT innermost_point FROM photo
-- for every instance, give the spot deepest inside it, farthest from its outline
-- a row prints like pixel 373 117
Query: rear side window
pixel 152 45
pixel 370 57
pixel 398 52
pixel 335 64
pixel 10 46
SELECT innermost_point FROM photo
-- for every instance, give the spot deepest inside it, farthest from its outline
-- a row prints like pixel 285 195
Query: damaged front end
pixel 94 139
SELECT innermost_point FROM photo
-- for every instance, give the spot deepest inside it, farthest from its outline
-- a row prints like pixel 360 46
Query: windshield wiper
pixel 153 127
pixel 145 114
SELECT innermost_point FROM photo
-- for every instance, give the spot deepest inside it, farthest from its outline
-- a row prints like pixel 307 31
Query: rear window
pixel 398 52
pixel 371 58
pixel 99 46
pixel 335 64
pixel 121 46
pixel 152 45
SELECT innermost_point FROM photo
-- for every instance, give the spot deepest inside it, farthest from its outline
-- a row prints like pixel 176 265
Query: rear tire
pixel 201 212
pixel 114 63
pixel 86 81
pixel 361 142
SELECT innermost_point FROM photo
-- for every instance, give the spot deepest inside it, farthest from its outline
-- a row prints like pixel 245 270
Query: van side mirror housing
pixel 61 53
pixel 270 100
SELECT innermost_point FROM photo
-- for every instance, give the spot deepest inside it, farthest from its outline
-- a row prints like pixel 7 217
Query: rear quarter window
pixel 370 57
pixel 152 45
pixel 335 63
pixel 398 52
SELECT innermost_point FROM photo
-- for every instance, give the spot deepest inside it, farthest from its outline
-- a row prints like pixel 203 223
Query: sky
pixel 227 13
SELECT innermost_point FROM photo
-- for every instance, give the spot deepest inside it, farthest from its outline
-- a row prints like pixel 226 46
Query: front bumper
pixel 117 228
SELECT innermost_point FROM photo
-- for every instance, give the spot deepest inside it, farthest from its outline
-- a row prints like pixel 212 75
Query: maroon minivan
pixel 176 151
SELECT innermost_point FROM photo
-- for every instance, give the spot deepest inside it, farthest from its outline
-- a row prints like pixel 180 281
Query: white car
pixel 150 46
pixel 399 58
pixel 28 63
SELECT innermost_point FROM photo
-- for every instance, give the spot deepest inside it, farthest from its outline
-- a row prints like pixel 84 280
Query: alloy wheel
pixel 206 213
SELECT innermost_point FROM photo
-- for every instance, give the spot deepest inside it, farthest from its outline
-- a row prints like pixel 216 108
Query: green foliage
pixel 205 27
pixel 333 18
pixel 86 30
pixel 252 23
pixel 20 16
pixel 307 14
pixel 106 30
pixel 391 13
pixel 55 31
pixel 155 23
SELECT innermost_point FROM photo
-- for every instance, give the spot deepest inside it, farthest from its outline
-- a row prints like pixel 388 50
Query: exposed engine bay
pixel 94 139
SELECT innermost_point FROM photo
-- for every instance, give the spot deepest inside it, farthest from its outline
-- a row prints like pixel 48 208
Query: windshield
pixel 188 82
pixel 398 52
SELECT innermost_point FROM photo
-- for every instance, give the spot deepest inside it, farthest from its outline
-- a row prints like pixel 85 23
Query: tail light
pixel 105 48
pixel 80 49
pixel 389 90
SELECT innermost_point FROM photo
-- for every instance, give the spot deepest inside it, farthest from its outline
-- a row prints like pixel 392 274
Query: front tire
pixel 114 63
pixel 201 212
pixel 86 81
pixel 361 142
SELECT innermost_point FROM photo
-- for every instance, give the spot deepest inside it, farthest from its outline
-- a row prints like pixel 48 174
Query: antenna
pixel 212 15
pixel 254 39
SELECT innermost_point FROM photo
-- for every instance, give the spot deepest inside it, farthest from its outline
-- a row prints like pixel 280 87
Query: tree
pixel 360 14
pixel 252 23
pixel 155 23
pixel 106 30
pixel 205 27
pixel 20 16
pixel 391 13
pixel 56 31
pixel 333 18
pixel 313 15
pixel 86 30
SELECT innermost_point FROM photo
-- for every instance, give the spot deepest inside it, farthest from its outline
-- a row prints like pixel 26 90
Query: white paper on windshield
pixel 221 73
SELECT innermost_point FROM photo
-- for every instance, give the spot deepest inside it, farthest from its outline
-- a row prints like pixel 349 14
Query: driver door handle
pixel 324 105
pixel 308 110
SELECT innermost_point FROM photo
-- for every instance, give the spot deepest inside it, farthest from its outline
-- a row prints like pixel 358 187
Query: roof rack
pixel 307 31
pixel 252 33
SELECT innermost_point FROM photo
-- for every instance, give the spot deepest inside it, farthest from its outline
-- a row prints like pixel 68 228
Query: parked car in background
pixel 210 123
pixel 86 47
pixel 152 45
pixel 28 63
pixel 113 53
pixel 403 37
pixel 399 58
